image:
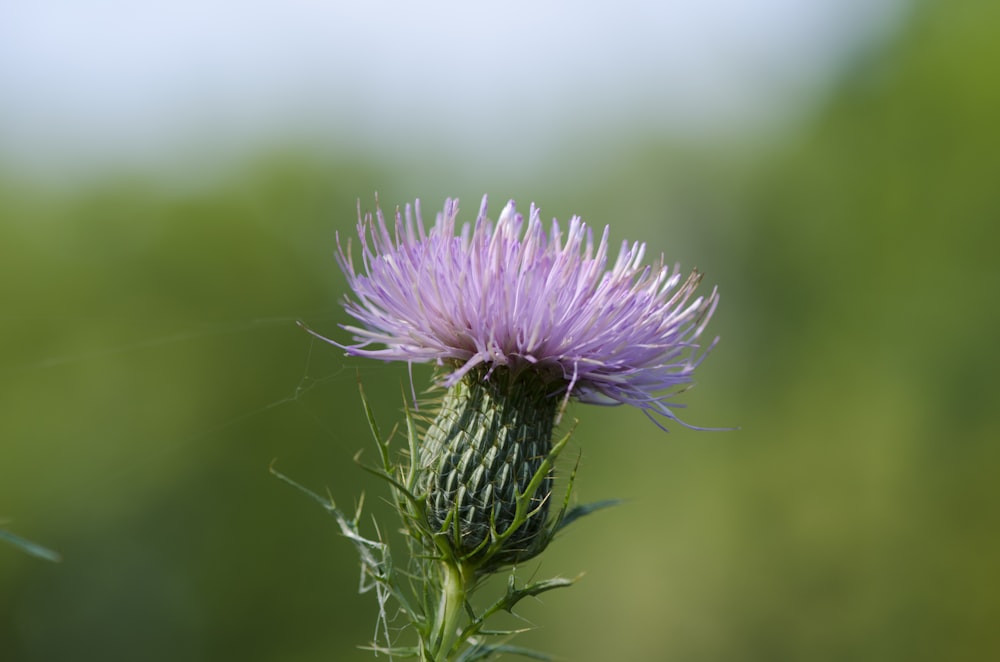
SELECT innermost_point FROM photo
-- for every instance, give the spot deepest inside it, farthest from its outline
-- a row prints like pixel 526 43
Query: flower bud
pixel 490 437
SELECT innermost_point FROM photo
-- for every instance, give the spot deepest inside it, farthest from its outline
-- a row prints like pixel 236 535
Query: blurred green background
pixel 152 370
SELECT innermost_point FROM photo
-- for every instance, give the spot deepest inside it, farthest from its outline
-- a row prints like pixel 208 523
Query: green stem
pixel 454 586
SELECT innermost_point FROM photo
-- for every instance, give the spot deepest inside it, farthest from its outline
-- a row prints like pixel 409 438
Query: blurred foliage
pixel 153 369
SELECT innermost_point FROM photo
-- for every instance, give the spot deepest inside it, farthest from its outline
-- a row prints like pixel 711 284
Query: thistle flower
pixel 520 319
pixel 513 295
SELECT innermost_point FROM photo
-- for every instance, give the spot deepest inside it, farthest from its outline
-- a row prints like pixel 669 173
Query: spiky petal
pixel 514 294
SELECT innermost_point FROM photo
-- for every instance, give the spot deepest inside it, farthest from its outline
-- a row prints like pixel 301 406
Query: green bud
pixel 479 456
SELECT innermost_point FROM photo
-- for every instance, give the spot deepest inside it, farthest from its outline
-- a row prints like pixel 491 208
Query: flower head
pixel 515 294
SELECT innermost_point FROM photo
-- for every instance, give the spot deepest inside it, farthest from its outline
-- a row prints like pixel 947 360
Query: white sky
pixel 92 83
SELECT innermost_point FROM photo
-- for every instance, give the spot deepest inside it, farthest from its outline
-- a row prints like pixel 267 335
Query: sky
pixel 92 84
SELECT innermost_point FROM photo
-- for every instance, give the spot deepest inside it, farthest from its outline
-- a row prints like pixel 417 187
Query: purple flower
pixel 514 294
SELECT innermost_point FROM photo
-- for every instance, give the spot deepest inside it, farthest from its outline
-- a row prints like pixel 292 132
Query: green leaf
pixel 393 651
pixel 484 651
pixel 577 512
